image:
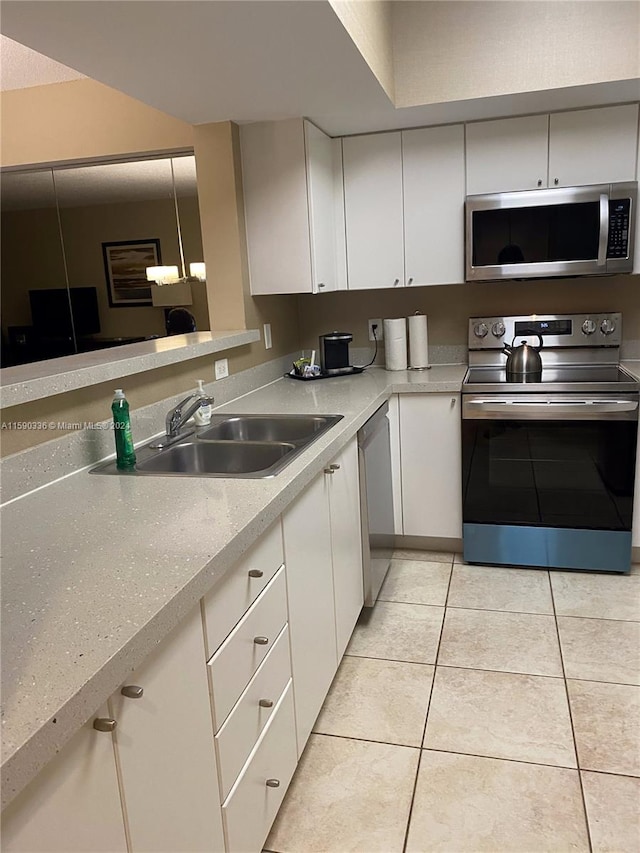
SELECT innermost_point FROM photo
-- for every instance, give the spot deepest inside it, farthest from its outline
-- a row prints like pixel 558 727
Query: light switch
pixel 267 336
pixel 221 368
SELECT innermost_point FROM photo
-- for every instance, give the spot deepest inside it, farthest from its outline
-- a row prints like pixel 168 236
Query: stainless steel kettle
pixel 523 362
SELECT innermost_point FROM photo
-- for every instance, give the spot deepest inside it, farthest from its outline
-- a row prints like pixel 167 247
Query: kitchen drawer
pixel 252 805
pixel 228 600
pixel 243 726
pixel 233 665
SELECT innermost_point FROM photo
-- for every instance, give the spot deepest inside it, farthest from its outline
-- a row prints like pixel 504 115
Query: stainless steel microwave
pixel 551 233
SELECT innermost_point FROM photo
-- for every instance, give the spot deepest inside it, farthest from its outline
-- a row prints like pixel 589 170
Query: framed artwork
pixel 125 262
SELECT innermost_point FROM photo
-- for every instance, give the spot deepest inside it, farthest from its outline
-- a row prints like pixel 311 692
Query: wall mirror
pixel 76 242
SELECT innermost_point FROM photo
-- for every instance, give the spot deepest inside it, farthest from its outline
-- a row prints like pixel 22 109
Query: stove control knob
pixel 607 327
pixel 589 327
pixel 498 330
pixel 480 330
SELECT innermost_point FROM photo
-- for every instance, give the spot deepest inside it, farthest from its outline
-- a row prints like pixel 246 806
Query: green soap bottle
pixel 125 454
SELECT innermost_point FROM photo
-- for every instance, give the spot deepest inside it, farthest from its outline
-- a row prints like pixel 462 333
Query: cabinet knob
pixel 261 641
pixel 255 573
pixel 273 783
pixel 329 471
pixel 410 281
pixel 556 180
pixel 334 467
pixel 131 691
pixel 320 284
pixel 539 182
pixel 265 703
pixel 396 282
pixel 104 724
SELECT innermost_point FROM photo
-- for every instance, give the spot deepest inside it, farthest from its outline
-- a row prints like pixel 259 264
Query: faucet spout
pixel 178 416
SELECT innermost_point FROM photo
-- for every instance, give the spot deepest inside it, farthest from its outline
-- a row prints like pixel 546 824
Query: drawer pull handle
pixel 273 783
pixel 255 573
pixel 103 724
pixel 329 471
pixel 131 691
pixel 265 703
pixel 261 641
pixel 334 467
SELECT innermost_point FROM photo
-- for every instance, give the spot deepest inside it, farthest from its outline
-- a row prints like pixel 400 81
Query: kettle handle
pixel 529 332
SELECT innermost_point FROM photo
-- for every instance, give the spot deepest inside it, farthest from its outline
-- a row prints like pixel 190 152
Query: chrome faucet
pixel 177 418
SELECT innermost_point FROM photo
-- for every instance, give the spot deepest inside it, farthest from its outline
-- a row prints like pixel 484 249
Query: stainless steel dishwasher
pixel 376 502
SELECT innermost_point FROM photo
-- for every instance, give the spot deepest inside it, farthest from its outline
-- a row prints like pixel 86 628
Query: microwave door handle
pixel 604 230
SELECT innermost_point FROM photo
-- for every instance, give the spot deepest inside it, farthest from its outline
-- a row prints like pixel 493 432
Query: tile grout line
pixel 426 717
pixel 573 731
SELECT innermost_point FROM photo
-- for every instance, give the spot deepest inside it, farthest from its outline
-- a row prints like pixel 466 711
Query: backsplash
pixel 449 307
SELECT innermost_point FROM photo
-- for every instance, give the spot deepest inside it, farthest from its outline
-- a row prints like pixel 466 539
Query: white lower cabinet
pixel 307 552
pixel 430 447
pixel 346 543
pixel 253 803
pixel 73 805
pixel 635 535
pixel 164 741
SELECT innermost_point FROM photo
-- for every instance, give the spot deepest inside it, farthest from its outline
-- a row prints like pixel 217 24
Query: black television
pixel 50 311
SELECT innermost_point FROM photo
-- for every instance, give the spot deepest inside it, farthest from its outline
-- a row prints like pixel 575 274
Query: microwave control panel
pixel 618 244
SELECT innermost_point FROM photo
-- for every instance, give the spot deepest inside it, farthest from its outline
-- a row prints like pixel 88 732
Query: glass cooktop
pixel 600 377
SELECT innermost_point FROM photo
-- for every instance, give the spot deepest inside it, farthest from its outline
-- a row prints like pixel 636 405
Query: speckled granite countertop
pixel 97 570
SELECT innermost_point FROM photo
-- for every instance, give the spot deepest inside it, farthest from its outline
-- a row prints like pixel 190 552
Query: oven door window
pixel 576 474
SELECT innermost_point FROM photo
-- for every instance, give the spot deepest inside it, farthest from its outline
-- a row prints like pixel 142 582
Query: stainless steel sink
pixel 251 446
pixel 294 428
pixel 222 458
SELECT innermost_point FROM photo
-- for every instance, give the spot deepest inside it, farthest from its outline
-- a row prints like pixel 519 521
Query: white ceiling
pixel 21 67
pixel 248 60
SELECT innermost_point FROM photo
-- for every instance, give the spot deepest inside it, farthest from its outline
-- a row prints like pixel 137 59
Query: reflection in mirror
pixel 184 170
pixel 116 219
pixel 36 316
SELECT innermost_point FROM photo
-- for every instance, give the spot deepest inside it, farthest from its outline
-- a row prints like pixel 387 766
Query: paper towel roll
pixel 395 344
pixel 418 341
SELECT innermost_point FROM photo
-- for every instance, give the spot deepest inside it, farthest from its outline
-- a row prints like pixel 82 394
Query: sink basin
pixel 235 446
pixel 294 428
pixel 221 458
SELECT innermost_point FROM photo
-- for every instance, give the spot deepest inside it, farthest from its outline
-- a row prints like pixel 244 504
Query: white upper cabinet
pixel 507 155
pixel 373 210
pixel 434 190
pixel 292 184
pixel 593 146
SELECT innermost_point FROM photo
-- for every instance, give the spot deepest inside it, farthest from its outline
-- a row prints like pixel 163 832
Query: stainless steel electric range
pixel 548 461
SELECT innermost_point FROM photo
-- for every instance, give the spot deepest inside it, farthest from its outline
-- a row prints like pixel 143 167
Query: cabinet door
pixel 324 180
pixel 593 146
pixel 276 207
pixel 507 154
pixel 312 626
pixel 165 745
pixel 373 210
pixel 636 255
pixel 73 805
pixel 346 543
pixel 434 189
pixel 431 465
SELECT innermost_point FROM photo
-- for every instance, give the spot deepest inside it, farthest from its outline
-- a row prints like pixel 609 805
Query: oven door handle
pixel 569 407
pixel 603 238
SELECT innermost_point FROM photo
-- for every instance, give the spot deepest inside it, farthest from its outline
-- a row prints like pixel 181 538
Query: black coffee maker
pixel 334 353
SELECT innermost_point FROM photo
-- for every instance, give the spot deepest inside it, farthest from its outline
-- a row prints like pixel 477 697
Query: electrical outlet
pixel 221 368
pixel 378 324
pixel 267 336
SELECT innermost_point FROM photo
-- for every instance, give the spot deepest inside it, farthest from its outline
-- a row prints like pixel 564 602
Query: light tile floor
pixel 478 709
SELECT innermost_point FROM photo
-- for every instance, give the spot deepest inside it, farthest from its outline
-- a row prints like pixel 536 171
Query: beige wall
pixel 449 51
pixel 369 24
pixel 449 306
pixel 80 120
